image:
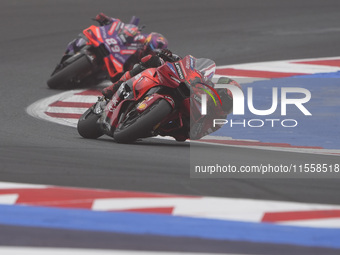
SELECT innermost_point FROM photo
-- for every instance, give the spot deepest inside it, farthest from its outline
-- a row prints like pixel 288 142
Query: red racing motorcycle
pixel 158 101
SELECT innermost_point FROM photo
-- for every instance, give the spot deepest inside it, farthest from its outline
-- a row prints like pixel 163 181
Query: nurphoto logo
pixel 239 105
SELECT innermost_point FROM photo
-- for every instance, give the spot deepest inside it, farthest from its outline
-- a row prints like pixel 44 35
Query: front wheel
pixel 87 125
pixel 72 75
pixel 136 125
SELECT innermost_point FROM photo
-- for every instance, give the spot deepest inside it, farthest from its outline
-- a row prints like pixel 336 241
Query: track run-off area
pixel 264 221
pixel 60 193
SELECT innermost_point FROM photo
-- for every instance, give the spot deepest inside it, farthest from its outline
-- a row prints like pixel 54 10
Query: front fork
pixel 98 108
pixel 112 108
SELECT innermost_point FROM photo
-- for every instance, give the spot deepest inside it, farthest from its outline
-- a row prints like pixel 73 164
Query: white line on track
pixel 8 250
pixel 283 67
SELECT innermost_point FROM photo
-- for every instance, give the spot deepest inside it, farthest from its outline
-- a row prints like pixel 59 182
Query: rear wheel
pixel 78 73
pixel 138 125
pixel 87 125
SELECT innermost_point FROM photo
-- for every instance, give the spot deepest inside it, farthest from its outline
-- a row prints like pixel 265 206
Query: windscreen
pixel 206 66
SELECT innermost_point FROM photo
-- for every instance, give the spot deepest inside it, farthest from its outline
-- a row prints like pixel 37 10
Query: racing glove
pixel 109 91
pixel 167 55
pixel 103 19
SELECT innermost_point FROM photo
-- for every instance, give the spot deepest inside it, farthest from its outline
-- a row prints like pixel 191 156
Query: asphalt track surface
pixel 33 37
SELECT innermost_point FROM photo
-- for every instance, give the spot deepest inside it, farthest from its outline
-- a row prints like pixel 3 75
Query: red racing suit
pixel 198 129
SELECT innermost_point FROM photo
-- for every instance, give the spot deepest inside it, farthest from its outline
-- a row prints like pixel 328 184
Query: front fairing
pixel 192 77
pixel 198 74
pixel 76 45
pixel 117 50
pixel 144 81
pixel 186 70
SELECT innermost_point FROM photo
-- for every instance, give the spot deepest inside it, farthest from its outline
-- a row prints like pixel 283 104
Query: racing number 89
pixel 113 44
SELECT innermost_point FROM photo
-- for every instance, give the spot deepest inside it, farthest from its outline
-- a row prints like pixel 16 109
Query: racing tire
pixel 67 77
pixel 141 125
pixel 88 127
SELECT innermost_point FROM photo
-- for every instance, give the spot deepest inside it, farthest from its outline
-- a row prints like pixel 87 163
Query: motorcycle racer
pixel 155 59
pixel 129 35
pixel 198 129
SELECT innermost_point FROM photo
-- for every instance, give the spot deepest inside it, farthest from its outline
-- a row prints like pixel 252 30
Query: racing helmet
pixel 128 33
pixel 154 41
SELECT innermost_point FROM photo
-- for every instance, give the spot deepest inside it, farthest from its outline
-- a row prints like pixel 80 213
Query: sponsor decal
pixel 140 79
pixel 187 63
pixel 131 47
pixel 113 27
pixel 175 79
pixel 198 99
pixel 119 25
pixel 142 106
pixel 183 69
pixel 149 98
pixel 122 38
pixel 116 63
pixel 127 52
pixel 103 31
pixel 171 68
pixel 160 78
pixel 170 100
pixel 179 70
pixel 98 33
pixel 138 76
pixel 204 98
pixel 119 57
pixel 192 63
